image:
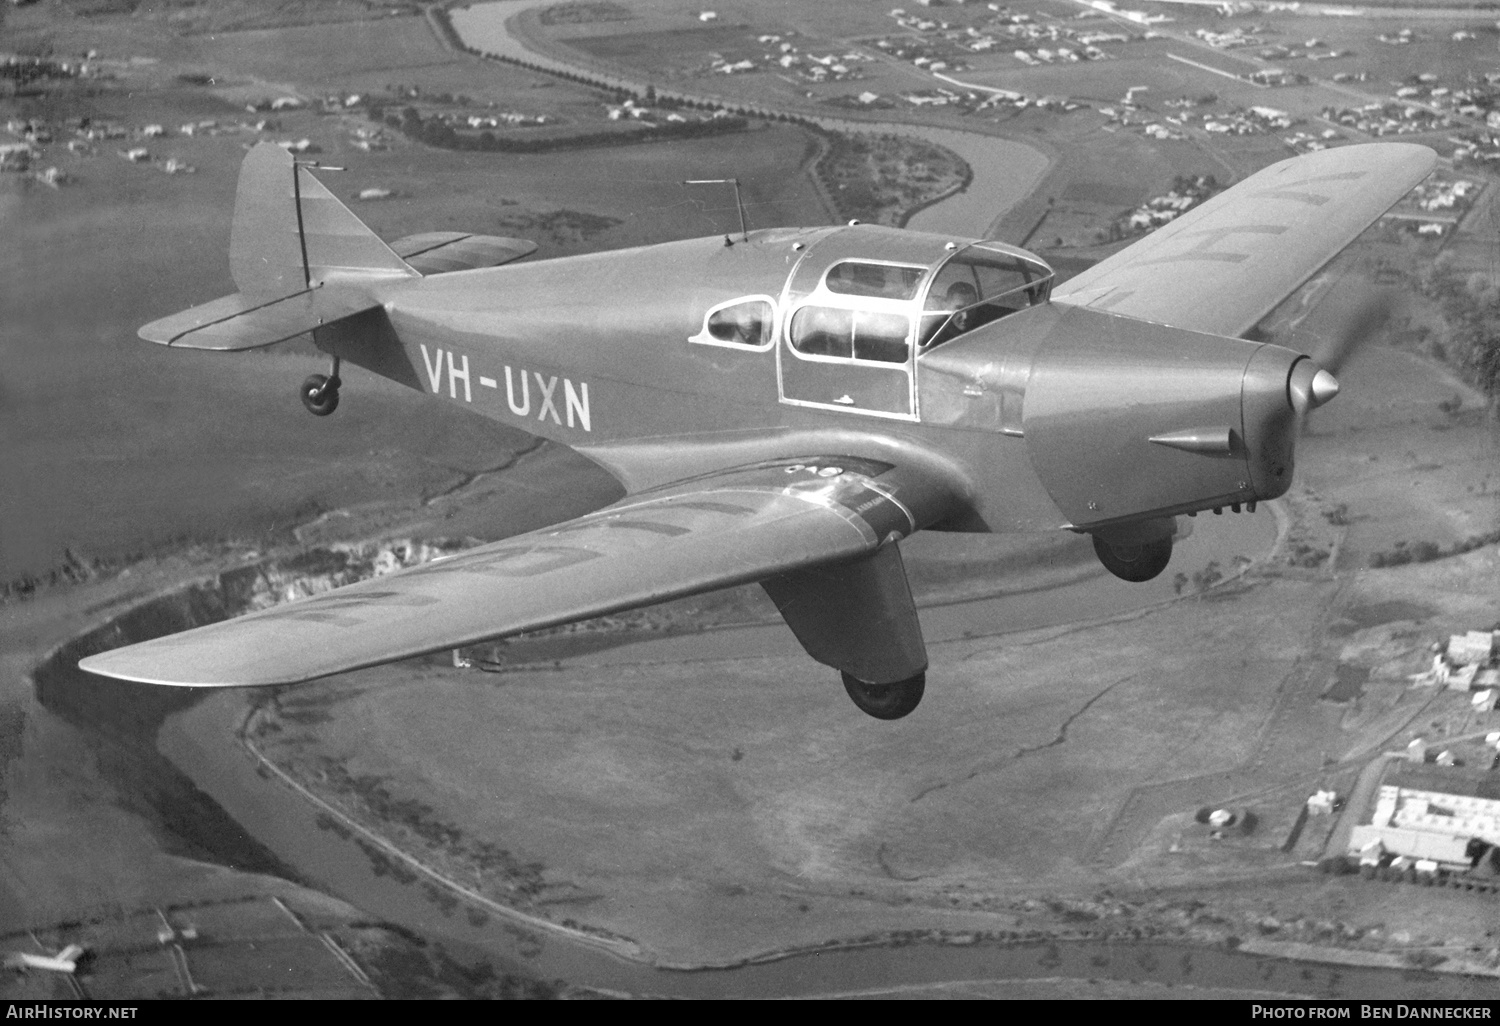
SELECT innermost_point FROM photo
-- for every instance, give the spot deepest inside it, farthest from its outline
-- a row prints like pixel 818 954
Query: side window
pixel 823 331
pixel 850 334
pixel 880 336
pixel 747 323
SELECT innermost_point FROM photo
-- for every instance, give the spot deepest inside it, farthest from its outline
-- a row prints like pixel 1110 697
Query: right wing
pixel 730 527
pixel 1223 266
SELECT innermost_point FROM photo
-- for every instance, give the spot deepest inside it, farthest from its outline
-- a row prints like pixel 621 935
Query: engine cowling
pixel 1130 423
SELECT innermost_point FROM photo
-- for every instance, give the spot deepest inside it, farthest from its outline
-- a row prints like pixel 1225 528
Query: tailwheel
pixel 1134 563
pixel 886 701
pixel 320 394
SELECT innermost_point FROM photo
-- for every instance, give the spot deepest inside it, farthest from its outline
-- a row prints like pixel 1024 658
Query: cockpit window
pixel 851 334
pixel 977 287
pixel 882 281
pixel 749 322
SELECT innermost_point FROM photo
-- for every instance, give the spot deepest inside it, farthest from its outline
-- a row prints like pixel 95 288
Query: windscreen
pixel 978 286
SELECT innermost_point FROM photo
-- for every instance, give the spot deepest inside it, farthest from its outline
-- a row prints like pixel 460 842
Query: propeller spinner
pixel 1310 386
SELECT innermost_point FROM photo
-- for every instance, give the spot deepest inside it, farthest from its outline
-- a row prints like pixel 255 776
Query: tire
pixel 319 395
pixel 1134 563
pixel 886 701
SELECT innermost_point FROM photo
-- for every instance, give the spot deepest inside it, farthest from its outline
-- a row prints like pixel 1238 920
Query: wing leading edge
pixel 1223 266
pixel 729 528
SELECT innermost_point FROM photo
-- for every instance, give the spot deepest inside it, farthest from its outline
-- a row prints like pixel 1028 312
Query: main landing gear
pixel 886 701
pixel 320 392
pixel 1136 563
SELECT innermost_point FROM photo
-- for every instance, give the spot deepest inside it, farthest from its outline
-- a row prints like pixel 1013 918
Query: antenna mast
pixel 740 207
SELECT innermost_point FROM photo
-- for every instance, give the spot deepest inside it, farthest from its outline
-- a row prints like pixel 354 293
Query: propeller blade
pixel 1357 319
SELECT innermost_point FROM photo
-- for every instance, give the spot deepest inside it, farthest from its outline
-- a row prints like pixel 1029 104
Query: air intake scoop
pixel 1212 441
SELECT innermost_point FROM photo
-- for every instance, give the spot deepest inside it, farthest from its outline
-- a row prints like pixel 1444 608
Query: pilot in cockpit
pixel 960 295
pixel 956 299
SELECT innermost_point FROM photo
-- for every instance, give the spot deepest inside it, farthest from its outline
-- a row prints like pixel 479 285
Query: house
pixel 1471 647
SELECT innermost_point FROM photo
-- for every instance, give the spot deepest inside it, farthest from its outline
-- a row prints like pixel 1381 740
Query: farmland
pixel 718 800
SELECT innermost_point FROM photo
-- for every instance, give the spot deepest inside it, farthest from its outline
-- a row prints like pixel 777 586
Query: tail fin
pixel 290 237
pixel 290 233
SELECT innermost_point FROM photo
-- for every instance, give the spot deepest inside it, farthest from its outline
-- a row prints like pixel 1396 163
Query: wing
pixel 728 528
pixel 1223 266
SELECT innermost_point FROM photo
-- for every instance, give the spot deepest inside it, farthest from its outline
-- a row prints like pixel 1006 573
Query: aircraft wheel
pixel 1135 563
pixel 320 395
pixel 886 701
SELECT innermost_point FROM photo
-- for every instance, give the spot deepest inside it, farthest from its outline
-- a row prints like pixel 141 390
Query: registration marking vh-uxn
pixel 575 398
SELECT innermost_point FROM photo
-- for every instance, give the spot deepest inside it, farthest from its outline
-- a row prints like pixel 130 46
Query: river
pixel 1005 171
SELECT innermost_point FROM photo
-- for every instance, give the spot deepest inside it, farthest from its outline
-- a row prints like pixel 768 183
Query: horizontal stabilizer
pixel 441 252
pixel 242 322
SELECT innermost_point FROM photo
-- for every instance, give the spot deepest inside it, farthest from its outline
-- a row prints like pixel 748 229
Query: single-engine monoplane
pixel 783 406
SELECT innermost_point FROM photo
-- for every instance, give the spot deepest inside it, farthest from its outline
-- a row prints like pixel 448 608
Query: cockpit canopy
pixel 862 302
pixel 876 310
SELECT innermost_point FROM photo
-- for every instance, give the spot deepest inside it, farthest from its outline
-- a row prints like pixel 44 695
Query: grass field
pixel 1105 82
pixel 318 54
pixel 124 447
pixel 704 807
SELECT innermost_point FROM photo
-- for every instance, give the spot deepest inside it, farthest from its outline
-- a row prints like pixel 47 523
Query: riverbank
pixel 1003 170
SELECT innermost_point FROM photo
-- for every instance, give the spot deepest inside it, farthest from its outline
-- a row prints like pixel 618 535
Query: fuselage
pixel 665 361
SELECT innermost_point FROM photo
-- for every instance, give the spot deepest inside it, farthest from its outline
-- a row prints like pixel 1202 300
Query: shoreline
pixel 622 948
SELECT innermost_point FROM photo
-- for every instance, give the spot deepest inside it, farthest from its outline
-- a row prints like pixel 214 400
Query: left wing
pixel 728 528
pixel 1223 266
